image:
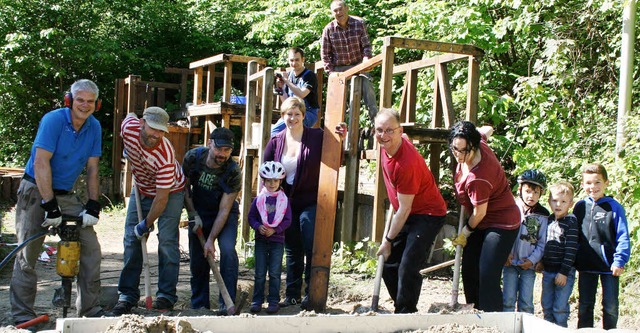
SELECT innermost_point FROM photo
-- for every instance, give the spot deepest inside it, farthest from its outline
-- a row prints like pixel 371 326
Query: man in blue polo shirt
pixel 68 139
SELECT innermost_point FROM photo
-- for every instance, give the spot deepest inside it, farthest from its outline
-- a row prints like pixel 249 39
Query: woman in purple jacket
pixel 299 149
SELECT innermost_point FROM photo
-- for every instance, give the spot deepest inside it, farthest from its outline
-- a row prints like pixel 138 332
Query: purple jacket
pixel 255 221
pixel 304 191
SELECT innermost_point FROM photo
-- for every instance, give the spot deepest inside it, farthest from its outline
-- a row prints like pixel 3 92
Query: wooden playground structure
pixel 133 95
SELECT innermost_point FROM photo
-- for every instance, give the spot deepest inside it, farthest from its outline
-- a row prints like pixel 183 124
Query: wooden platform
pixel 216 108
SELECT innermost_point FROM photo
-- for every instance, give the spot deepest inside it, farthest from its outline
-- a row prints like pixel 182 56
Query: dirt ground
pixel 348 293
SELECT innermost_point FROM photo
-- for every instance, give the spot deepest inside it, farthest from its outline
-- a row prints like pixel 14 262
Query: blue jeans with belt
pixel 168 249
pixel 200 270
pixel 298 242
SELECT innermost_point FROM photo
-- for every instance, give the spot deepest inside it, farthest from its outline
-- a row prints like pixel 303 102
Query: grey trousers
pixel 368 94
pixel 23 289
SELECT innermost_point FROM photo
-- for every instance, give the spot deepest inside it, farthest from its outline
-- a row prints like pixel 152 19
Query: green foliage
pixel 355 257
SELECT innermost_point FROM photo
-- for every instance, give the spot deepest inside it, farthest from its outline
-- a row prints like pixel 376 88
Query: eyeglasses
pixel 388 131
pixel 460 151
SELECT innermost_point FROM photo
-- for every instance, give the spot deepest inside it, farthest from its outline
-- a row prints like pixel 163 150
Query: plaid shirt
pixel 342 47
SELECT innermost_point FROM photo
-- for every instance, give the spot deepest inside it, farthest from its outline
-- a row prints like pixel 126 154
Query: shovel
pixel 231 309
pixel 376 283
pixel 145 256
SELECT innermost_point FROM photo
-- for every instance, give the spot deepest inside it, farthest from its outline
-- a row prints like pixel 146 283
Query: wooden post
pixel 211 83
pixel 352 168
pixel 228 73
pixel 386 85
pixel 197 86
pixel 116 154
pixel 248 153
pixel 327 194
pixel 473 89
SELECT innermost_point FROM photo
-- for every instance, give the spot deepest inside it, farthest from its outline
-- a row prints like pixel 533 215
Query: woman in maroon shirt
pixel 493 217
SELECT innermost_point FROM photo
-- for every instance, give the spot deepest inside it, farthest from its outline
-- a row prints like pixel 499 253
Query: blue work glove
pixel 52 213
pixel 91 213
pixel 141 229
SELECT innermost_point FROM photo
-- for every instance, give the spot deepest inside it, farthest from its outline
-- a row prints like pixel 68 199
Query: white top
pixel 290 166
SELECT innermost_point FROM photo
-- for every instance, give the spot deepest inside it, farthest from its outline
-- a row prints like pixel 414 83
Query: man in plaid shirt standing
pixel 345 43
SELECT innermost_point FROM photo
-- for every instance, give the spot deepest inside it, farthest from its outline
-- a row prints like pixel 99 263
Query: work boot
pixel 123 307
pixel 162 304
pixel 289 301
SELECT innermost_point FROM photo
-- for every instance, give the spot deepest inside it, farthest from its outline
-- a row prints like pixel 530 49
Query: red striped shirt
pixel 152 169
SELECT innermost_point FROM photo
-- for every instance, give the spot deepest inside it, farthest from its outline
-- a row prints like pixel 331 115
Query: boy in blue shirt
pixel 518 274
pixel 604 247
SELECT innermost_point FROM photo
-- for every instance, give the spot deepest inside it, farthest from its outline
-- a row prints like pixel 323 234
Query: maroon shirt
pixel 487 183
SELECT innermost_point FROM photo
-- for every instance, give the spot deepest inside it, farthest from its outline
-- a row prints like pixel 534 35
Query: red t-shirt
pixel 486 183
pixel 406 173
pixel 156 168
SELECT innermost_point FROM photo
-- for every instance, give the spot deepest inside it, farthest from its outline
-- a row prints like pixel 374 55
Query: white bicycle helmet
pixel 272 170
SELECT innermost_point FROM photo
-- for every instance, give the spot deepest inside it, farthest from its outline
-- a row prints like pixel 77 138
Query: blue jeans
pixel 482 261
pixel 168 250
pixel 310 119
pixel 517 284
pixel 200 269
pixel 409 251
pixel 268 257
pixel 587 287
pixel 555 299
pixel 298 242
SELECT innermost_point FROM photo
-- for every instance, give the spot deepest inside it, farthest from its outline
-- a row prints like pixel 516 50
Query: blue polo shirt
pixel 71 149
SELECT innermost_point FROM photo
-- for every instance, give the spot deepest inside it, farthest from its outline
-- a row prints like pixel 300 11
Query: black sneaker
pixel 98 314
pixel 304 305
pixel 289 301
pixel 120 309
pixel 162 304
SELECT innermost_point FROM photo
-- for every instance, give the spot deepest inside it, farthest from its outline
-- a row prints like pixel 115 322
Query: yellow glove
pixel 461 239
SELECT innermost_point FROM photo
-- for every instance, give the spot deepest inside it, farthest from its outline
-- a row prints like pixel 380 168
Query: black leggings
pixel 482 262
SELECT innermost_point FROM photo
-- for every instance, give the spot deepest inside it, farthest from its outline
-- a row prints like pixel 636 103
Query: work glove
pixel 52 213
pixel 196 220
pixel 462 237
pixel 90 214
pixel 141 229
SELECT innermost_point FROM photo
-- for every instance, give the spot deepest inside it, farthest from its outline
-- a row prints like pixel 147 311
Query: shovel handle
pixel 148 302
pixel 456 266
pixel 231 309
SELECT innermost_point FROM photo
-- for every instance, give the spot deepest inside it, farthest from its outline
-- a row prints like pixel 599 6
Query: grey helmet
pixel 533 176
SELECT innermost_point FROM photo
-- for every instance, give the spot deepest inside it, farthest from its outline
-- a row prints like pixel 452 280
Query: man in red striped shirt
pixel 160 182
pixel 345 43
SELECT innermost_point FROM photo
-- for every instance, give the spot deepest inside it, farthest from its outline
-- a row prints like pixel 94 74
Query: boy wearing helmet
pixel 269 216
pixel 519 274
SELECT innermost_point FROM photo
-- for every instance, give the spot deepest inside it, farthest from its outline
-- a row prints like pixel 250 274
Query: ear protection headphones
pixel 68 101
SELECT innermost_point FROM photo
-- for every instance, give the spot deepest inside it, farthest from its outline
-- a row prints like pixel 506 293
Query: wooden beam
pixel 207 61
pixel 226 81
pixel 116 154
pixel 473 89
pixel 362 67
pixel 352 167
pixel 424 63
pixel 248 154
pixel 380 194
pixel 197 86
pixel 427 45
pixel 412 90
pixel 327 194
